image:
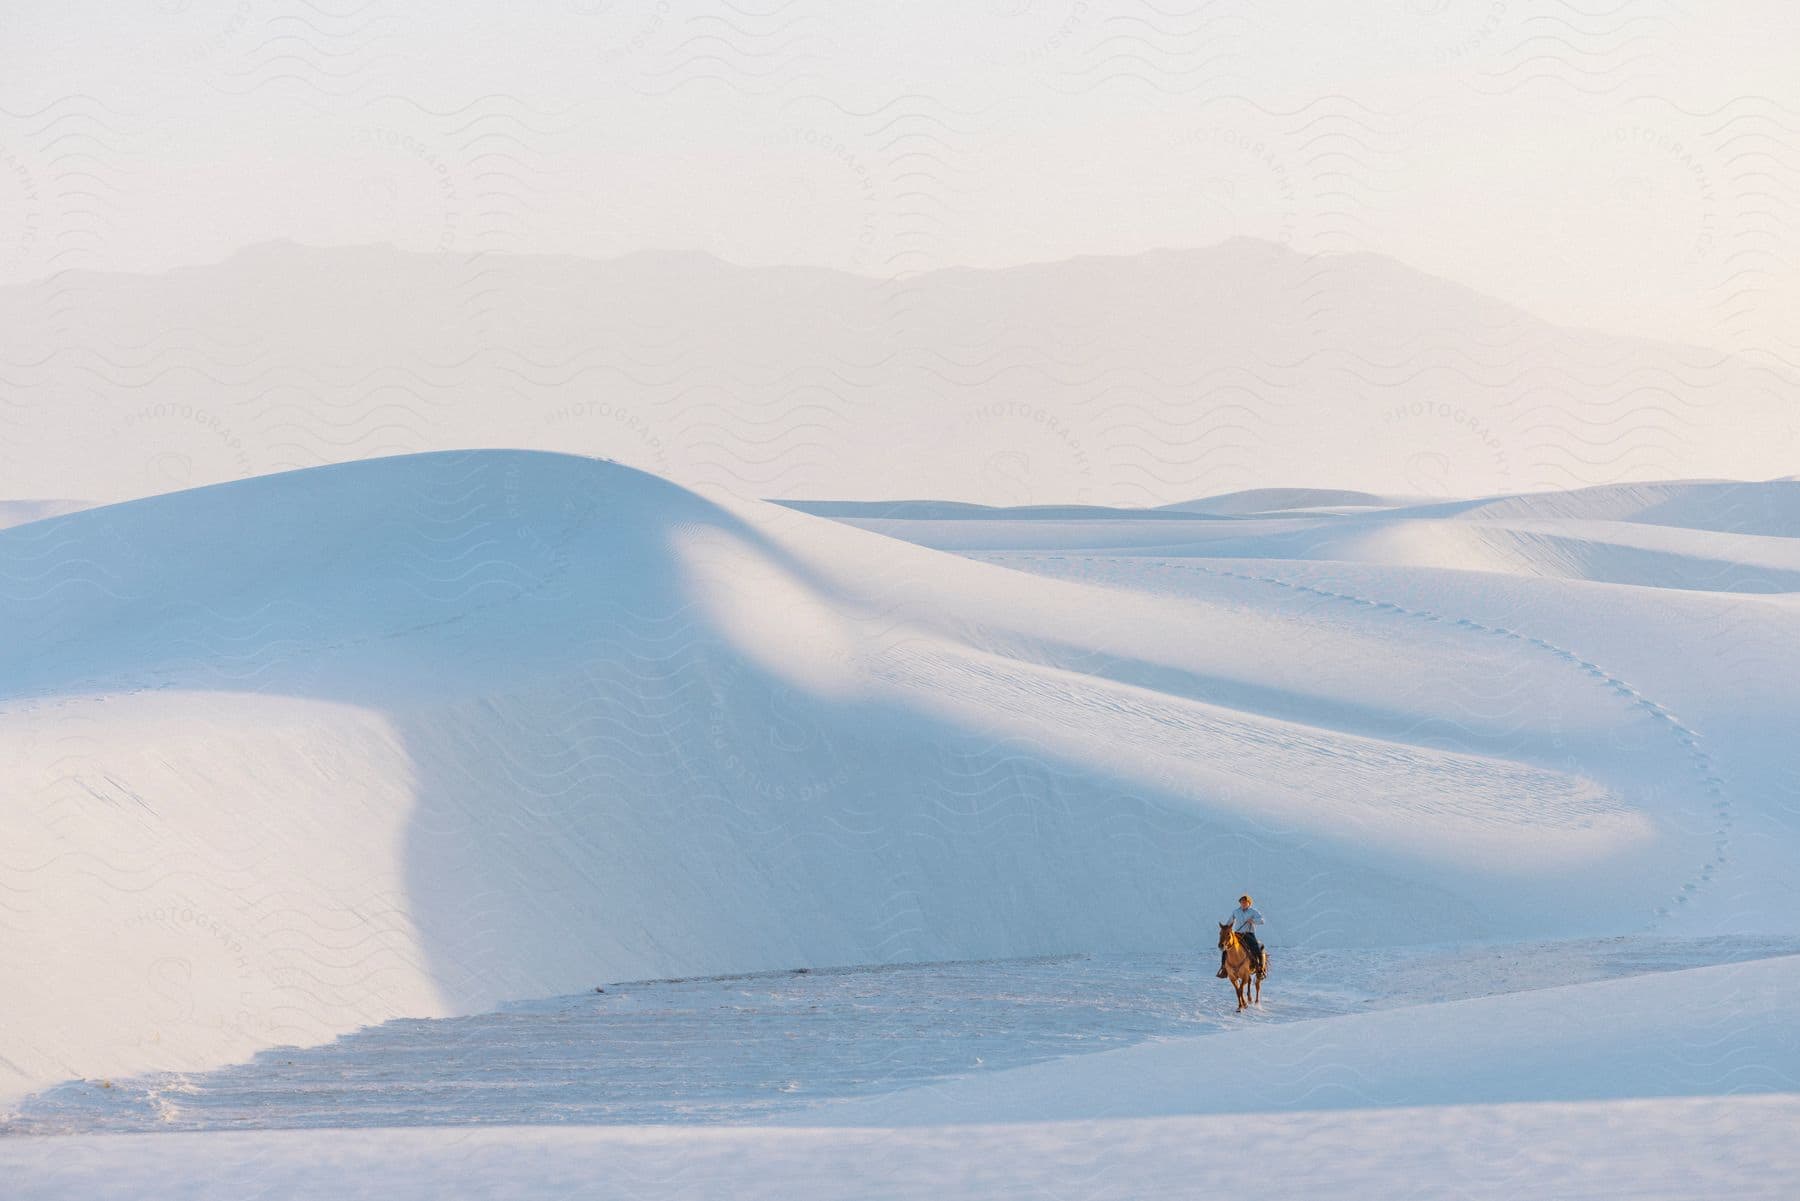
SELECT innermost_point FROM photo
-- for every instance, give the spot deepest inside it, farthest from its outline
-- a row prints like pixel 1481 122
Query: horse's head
pixel 1225 935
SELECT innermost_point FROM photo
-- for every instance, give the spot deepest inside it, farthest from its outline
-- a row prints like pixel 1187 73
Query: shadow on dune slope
pixel 636 741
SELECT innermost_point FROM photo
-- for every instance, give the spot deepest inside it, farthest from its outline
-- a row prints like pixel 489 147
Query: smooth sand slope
pixel 1731 1030
pixel 1668 1085
pixel 417 736
pixel 1655 1150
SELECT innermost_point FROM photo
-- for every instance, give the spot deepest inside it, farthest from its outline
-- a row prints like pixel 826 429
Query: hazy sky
pixel 1627 164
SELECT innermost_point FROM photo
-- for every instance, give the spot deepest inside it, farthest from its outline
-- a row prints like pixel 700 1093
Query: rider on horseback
pixel 1245 920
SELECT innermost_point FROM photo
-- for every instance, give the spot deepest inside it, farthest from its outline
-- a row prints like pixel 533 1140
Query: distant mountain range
pixel 1141 380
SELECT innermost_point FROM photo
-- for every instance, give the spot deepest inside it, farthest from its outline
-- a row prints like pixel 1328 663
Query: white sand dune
pixel 1729 1030
pixel 1770 508
pixel 1710 537
pixel 18 512
pixel 1676 1149
pixel 421 735
pixel 1668 1085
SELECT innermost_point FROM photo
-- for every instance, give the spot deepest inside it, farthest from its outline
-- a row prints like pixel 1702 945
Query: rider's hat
pixel 1245 900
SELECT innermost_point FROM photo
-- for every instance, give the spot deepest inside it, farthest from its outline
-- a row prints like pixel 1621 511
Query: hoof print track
pixel 1712 786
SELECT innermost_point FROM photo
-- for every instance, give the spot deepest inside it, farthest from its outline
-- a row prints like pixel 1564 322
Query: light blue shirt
pixel 1245 921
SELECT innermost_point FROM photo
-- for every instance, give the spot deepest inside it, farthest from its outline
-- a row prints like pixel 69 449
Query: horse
pixel 1243 974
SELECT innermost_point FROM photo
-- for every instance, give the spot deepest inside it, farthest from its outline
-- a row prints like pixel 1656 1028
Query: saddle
pixel 1260 963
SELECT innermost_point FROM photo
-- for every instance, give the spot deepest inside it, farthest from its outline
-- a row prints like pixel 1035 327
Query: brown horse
pixel 1243 974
